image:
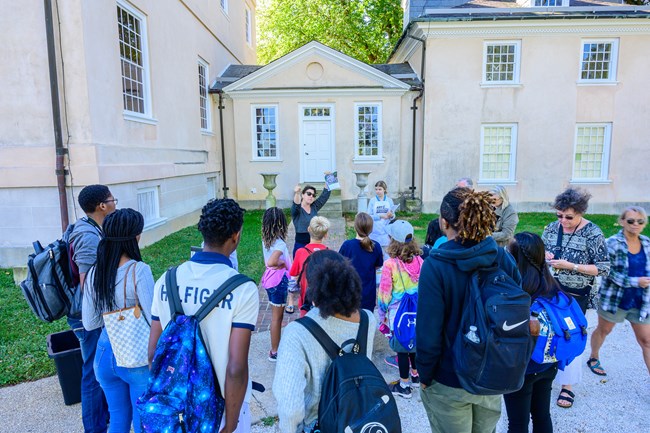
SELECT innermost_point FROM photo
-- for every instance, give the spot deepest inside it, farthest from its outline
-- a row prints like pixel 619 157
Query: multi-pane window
pixel 598 62
pixel 249 21
pixel 148 204
pixel 591 156
pixel 204 106
pixel 368 130
pixel 501 62
pixel 545 3
pixel 131 34
pixel 265 124
pixel 316 112
pixel 498 146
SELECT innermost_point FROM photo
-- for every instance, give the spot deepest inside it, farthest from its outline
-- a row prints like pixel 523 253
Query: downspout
pixel 223 145
pixel 414 108
pixel 56 116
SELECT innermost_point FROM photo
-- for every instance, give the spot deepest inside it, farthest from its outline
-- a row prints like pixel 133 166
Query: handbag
pixel 128 330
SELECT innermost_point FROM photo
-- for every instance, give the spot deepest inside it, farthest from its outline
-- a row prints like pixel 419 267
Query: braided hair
pixel 529 253
pixel 274 226
pixel 121 229
pixel 219 220
pixel 363 226
pixel 470 213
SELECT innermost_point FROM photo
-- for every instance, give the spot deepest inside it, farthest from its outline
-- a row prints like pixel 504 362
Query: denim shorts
pixel 278 294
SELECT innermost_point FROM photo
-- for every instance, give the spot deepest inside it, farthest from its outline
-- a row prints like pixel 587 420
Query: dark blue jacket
pixel 441 296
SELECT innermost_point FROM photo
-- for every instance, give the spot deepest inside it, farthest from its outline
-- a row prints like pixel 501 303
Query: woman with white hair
pixel 507 218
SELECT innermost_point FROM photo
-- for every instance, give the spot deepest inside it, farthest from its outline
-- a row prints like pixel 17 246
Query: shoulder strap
pixel 558 245
pixel 331 348
pixel 173 297
pixel 217 296
pixel 362 334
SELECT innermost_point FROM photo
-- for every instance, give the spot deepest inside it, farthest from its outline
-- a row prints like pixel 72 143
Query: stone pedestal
pixel 269 184
pixel 362 183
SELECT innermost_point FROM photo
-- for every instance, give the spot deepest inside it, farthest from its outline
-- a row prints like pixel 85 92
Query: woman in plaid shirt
pixel 626 292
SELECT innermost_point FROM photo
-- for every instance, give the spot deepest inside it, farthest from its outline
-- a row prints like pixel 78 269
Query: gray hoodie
pixel 83 240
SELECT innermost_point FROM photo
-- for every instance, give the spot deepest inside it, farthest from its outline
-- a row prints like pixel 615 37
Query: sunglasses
pixel 565 217
pixel 310 194
pixel 631 221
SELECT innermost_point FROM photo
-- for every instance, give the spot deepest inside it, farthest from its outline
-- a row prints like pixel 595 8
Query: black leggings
pixel 532 400
pixel 403 360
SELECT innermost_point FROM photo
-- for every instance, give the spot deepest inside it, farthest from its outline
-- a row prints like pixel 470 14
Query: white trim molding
pixel 379 132
pixel 496 60
pixel 275 132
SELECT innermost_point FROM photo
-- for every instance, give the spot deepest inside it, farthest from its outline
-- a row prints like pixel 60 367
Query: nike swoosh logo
pixel 507 327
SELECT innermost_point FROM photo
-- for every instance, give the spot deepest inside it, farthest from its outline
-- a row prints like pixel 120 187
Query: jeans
pixel 532 400
pixel 122 387
pixel 94 412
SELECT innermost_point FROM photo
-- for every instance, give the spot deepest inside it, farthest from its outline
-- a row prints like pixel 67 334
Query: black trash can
pixel 63 348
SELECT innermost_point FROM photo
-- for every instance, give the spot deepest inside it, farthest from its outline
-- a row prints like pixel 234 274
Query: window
pixel 501 62
pixel 368 131
pixel 204 104
pixel 224 5
pixel 591 156
pixel 133 53
pixel 148 205
pixel 546 3
pixel 598 61
pixel 498 146
pixel 249 26
pixel 265 125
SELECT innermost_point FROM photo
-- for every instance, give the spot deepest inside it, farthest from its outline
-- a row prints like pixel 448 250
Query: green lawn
pixel 23 351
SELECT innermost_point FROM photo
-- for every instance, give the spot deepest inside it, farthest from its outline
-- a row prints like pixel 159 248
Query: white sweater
pixel 301 367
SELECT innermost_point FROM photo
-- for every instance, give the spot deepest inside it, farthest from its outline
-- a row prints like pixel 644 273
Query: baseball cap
pixel 400 230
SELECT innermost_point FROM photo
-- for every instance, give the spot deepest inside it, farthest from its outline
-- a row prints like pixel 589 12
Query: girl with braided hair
pixel 534 398
pixel 467 219
pixel 118 279
pixel 278 262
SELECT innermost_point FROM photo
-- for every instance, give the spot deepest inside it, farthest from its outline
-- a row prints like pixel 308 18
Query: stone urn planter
pixel 362 183
pixel 269 184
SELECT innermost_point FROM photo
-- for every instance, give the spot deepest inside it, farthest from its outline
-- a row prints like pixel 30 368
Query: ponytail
pixel 363 226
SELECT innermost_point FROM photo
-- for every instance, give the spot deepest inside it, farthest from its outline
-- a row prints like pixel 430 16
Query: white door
pixel 317 149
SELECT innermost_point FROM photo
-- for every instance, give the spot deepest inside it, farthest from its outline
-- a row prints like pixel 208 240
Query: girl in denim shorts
pixel 278 262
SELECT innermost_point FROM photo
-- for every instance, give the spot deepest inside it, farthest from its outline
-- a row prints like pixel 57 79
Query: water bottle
pixel 472 335
pixel 534 324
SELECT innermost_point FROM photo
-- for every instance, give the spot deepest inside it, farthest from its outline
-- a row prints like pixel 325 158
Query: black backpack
pixel 354 396
pixel 500 310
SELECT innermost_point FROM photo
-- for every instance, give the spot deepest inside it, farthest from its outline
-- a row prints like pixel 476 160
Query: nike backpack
pixel 563 330
pixel 493 359
pixel 354 395
pixel 183 394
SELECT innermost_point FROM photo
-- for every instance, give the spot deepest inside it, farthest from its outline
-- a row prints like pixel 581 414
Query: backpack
pixel 183 393
pixel 493 360
pixel 566 330
pixel 51 282
pixel 404 320
pixel 354 396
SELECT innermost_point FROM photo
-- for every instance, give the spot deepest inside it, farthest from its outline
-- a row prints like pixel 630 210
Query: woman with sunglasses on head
pixel 305 207
pixel 625 293
pixel 577 254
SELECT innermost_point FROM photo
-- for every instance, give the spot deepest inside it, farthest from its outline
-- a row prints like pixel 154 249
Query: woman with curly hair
pixel 335 291
pixel 467 219
pixel 577 253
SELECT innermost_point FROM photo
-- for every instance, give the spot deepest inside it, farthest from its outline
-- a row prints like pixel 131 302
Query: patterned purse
pixel 128 330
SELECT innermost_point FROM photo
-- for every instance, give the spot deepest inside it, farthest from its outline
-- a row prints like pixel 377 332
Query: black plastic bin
pixel 63 348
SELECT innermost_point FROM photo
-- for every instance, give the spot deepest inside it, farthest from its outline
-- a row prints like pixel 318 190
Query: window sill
pixel 154 223
pixel 132 117
pixel 590 181
pixel 596 83
pixel 207 132
pixel 489 85
pixel 496 182
pixel 379 160
pixel 266 160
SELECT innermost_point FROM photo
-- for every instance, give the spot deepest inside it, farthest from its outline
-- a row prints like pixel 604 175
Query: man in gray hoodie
pixel 96 202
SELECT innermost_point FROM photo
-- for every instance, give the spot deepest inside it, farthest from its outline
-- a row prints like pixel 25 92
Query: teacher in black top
pixel 305 207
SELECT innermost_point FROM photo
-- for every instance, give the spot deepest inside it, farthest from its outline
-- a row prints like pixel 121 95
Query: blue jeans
pixel 122 387
pixel 94 412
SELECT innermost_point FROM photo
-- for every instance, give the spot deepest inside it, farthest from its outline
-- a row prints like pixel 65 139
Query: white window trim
pixel 558 3
pixel 278 156
pixel 513 155
pixel 208 110
pixel 516 73
pixel 224 7
pixel 613 72
pixel 145 117
pixel 358 159
pixel 248 14
pixel 155 222
pixel 604 169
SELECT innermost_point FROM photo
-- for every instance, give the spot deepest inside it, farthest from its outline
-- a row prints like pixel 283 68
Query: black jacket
pixel 441 296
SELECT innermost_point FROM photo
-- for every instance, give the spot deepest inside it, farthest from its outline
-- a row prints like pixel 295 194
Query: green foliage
pixel 637 2
pixel 364 29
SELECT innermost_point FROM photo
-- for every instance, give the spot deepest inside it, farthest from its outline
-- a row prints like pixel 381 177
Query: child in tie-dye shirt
pixel 400 275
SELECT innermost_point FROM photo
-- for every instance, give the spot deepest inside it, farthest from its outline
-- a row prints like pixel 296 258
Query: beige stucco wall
pixel 168 151
pixel 545 106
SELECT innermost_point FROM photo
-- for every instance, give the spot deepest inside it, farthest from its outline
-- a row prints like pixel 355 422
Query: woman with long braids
pixel 119 265
pixel 467 219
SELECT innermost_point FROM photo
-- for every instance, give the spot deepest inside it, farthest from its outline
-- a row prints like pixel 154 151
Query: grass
pixel 23 352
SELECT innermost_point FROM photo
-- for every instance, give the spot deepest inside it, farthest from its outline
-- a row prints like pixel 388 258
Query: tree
pixel 364 29
pixel 637 2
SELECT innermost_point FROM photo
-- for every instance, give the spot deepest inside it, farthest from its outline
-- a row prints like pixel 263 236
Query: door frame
pixel 301 120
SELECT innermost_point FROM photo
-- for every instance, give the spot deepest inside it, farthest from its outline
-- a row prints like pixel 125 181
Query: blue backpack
pixel 563 330
pixel 404 321
pixel 183 393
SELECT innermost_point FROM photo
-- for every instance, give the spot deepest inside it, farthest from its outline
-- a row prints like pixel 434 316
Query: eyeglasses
pixel 565 217
pixel 114 200
pixel 310 194
pixel 631 221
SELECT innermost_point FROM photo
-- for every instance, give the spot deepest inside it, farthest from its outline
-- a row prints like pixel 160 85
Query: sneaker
pixel 273 357
pixel 397 389
pixel 391 360
pixel 415 381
